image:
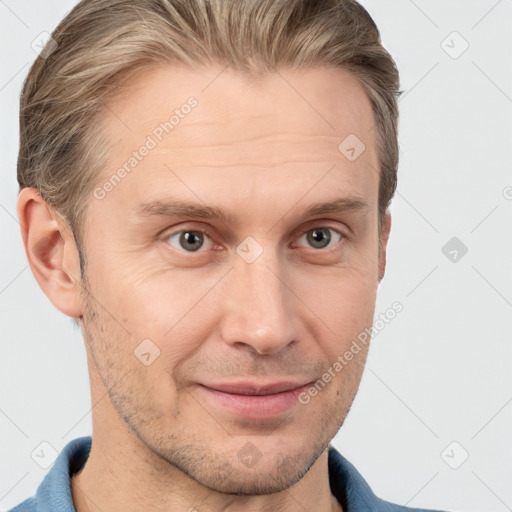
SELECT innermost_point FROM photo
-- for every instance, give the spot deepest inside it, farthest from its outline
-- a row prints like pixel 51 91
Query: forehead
pixel 286 125
pixel 312 102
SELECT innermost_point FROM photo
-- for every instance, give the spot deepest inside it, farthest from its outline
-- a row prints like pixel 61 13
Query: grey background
pixel 439 372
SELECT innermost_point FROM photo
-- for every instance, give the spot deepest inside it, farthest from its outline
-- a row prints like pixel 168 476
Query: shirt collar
pixel 349 487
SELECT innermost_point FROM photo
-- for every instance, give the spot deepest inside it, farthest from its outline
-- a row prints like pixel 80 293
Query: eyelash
pixel 303 233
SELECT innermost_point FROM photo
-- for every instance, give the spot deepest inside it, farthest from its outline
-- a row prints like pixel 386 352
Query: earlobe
pixel 386 227
pixel 51 252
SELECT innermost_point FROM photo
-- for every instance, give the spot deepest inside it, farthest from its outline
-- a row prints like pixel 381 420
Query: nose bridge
pixel 259 306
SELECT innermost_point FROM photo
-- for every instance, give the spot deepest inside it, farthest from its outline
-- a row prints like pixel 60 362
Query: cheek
pixel 168 313
pixel 145 300
pixel 343 303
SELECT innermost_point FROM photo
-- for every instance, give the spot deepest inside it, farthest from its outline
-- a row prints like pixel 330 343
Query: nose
pixel 259 312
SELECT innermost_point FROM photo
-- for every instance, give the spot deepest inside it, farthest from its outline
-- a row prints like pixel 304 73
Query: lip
pixel 254 400
pixel 256 389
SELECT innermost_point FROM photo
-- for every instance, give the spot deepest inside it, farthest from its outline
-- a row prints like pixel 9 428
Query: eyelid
pixel 332 224
pixel 167 232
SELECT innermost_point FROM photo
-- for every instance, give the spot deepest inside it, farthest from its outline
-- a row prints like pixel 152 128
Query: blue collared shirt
pixel 54 492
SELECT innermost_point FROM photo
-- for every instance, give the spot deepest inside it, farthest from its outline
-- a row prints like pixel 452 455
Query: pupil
pixel 319 238
pixel 191 240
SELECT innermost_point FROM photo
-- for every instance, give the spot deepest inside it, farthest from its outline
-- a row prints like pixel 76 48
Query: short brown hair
pixel 99 44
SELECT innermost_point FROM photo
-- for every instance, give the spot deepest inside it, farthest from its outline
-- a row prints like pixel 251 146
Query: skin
pixel 259 150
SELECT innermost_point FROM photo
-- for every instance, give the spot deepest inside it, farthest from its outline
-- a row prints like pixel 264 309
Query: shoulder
pixel 54 492
pixel 28 505
pixel 353 492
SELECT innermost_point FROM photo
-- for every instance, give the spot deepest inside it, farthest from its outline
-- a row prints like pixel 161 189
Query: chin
pixel 251 482
pixel 268 472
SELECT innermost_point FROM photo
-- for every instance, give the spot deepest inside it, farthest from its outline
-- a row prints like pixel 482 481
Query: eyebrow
pixel 178 208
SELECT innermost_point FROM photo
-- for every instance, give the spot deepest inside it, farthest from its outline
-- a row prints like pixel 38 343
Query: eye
pixel 321 237
pixel 189 240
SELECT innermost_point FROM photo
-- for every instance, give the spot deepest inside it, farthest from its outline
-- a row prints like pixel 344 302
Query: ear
pixel 386 227
pixel 51 252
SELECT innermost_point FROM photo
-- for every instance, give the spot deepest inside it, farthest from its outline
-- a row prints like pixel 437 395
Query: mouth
pixel 254 400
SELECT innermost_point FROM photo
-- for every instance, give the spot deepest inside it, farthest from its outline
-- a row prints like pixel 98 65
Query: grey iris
pixel 191 240
pixel 319 238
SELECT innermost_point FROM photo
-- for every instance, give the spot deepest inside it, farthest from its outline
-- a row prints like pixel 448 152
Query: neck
pixel 124 475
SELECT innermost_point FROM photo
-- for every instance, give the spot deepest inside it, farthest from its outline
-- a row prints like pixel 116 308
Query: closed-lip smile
pixel 249 388
pixel 254 400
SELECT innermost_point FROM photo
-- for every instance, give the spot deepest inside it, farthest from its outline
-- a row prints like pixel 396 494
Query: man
pixel 204 188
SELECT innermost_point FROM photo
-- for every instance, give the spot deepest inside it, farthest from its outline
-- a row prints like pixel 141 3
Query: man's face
pixel 231 306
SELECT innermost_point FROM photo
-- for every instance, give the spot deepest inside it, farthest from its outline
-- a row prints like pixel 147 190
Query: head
pixel 173 159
